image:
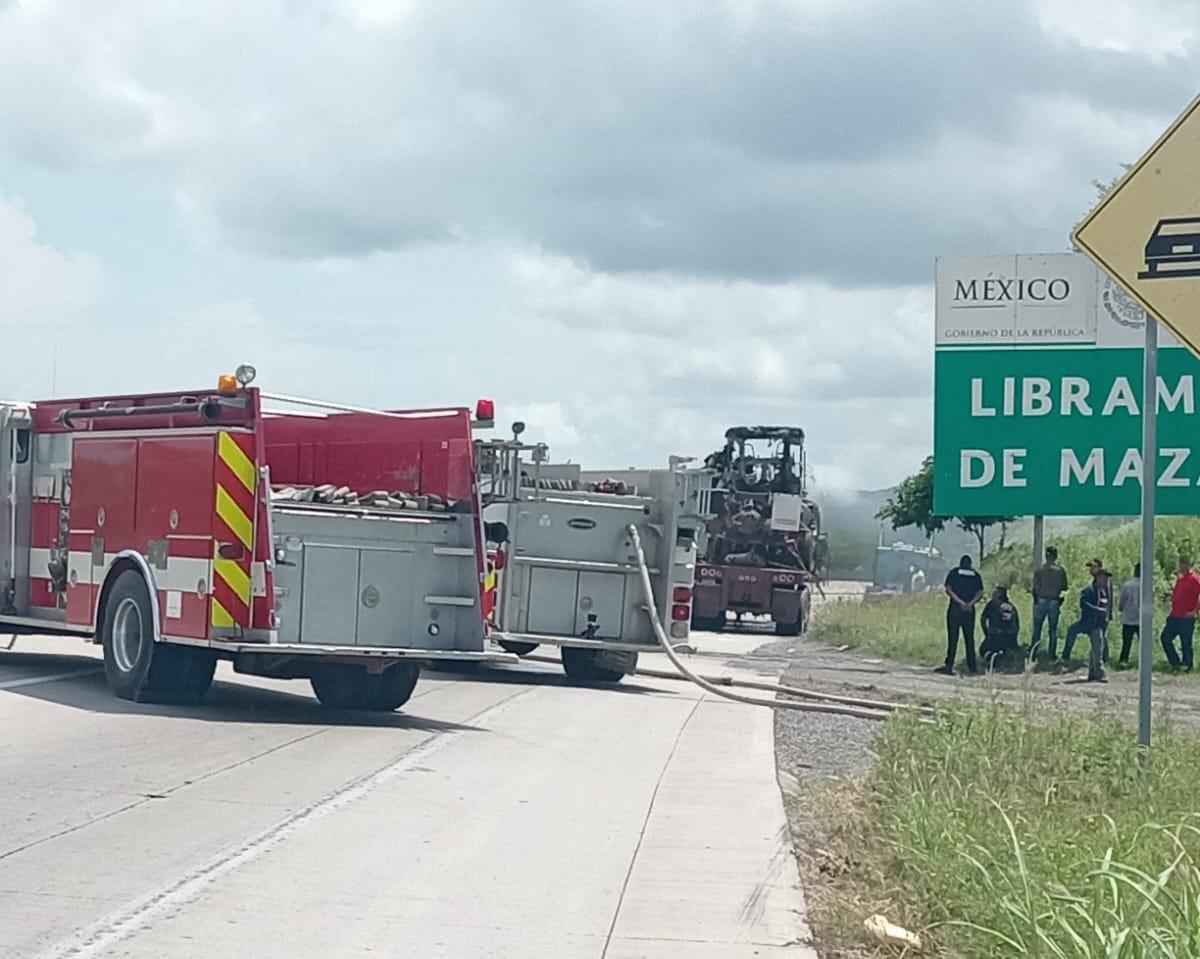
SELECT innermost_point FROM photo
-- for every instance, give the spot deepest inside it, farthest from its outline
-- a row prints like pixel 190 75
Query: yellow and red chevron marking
pixel 490 582
pixel 233 526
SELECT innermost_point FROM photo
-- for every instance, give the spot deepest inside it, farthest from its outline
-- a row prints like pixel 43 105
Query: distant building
pixel 905 567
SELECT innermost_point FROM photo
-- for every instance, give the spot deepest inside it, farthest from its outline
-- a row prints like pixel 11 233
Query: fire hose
pixel 816 702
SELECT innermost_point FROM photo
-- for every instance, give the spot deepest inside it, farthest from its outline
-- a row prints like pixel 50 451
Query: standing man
pixel 1091 622
pixel 1129 604
pixel 1104 597
pixel 1185 598
pixel 964 587
pixel 1049 584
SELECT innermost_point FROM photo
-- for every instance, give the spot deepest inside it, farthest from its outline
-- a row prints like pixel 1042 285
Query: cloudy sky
pixel 632 224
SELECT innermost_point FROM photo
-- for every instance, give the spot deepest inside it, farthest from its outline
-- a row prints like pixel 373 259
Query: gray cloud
pixel 776 140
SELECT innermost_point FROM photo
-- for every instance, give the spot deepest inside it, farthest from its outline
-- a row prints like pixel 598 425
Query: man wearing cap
pixel 1185 598
pixel 964 587
pixel 1092 618
pixel 1049 584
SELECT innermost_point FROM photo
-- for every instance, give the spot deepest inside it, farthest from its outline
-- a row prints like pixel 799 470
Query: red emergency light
pixel 485 411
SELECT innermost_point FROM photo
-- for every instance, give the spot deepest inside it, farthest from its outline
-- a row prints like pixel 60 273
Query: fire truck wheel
pixel 197 668
pixel 580 667
pixel 516 648
pixel 392 688
pixel 339 685
pixel 128 636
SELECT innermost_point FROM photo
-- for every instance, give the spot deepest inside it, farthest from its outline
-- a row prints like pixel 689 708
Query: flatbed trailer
pixel 177 529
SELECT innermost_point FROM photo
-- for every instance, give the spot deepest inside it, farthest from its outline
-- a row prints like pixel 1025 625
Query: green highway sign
pixel 1038 393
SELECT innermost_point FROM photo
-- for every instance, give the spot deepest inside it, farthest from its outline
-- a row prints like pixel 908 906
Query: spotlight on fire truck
pixel 245 374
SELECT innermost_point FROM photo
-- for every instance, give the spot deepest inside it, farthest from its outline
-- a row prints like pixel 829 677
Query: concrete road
pixel 505 815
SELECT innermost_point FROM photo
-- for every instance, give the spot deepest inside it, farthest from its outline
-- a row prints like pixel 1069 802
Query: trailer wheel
pixel 517 648
pixel 580 665
pixel 127 635
pixel 791 629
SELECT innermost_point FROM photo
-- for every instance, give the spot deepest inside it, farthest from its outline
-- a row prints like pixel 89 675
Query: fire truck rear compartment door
pixel 385 597
pixel 329 606
pixel 552 601
pixel 601 595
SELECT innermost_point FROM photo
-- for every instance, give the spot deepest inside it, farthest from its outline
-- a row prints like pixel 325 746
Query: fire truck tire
pixel 580 667
pixel 132 660
pixel 339 685
pixel 392 688
pixel 343 686
pixel 198 668
pixel 517 648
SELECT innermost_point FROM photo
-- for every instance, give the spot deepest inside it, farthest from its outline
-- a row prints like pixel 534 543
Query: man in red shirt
pixel 1185 598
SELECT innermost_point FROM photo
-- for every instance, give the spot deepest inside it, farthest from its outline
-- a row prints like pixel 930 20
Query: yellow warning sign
pixel 1146 232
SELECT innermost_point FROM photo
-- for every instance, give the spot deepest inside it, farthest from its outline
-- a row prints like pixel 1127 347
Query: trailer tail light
pixel 485 411
pixel 681 594
pixel 709 573
pixel 681 613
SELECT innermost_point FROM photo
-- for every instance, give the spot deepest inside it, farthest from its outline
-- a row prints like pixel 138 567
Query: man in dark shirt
pixel 1185 598
pixel 964 587
pixel 1049 584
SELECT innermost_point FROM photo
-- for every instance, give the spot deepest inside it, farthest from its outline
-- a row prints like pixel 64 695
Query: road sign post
pixel 1146 583
pixel 1145 234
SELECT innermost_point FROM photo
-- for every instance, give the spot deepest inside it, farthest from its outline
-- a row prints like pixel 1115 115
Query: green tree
pixel 913 506
pixel 978 526
pixel 913 503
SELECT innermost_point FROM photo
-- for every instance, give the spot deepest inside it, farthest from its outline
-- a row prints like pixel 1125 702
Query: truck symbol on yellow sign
pixel 1173 249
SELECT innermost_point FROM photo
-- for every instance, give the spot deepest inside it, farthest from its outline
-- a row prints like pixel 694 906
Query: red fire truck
pixel 175 529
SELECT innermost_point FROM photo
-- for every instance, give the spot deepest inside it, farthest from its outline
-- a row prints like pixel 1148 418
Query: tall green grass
pixel 1021 837
pixel 912 628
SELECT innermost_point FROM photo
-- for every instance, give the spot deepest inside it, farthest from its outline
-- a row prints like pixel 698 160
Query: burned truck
pixel 763 551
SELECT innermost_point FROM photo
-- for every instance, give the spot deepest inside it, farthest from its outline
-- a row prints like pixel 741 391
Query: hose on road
pixel 719 686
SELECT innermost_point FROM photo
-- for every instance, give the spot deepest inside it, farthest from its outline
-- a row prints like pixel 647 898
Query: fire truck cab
pixel 564 571
pixel 176 529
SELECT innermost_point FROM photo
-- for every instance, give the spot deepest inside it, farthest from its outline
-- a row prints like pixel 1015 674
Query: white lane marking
pixel 139 914
pixel 50 678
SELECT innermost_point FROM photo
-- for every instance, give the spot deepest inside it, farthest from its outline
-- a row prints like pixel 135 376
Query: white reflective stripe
pixel 183 574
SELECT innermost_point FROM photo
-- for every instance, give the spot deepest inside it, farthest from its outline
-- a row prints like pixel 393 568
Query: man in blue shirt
pixel 1093 615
